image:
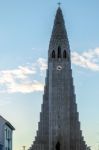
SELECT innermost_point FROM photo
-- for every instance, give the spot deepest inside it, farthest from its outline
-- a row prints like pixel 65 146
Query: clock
pixel 59 68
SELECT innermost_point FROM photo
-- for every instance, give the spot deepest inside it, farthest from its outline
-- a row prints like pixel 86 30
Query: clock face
pixel 59 68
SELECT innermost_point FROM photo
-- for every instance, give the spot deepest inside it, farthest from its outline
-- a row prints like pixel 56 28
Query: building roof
pixel 7 123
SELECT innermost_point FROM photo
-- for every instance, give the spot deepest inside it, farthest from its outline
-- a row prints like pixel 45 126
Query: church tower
pixel 59 126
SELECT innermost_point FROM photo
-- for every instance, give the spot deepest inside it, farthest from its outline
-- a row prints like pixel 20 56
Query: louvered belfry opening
pixel 53 54
pixel 64 54
pixel 59 52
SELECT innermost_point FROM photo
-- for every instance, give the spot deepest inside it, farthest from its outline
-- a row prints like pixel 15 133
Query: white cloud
pixel 33 49
pixel 21 72
pixel 42 63
pixel 25 88
pixel 20 80
pixel 88 59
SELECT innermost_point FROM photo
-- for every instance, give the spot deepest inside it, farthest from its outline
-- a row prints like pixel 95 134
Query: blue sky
pixel 25 30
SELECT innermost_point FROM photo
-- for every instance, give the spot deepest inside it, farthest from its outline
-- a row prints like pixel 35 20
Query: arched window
pixel 58 146
pixel 53 54
pixel 64 54
pixel 59 52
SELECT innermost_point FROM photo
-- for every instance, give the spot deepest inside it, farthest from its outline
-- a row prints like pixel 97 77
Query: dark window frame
pixel 64 54
pixel 53 54
pixel 59 52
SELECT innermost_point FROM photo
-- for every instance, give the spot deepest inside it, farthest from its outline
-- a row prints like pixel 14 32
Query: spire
pixel 59 38
pixel 59 31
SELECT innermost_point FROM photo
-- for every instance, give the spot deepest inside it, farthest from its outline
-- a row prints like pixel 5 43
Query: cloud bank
pixel 88 59
pixel 23 79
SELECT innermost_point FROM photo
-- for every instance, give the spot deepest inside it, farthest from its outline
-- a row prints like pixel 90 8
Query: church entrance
pixel 57 146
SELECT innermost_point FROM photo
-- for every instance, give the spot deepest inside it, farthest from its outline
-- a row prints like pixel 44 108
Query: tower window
pixel 59 52
pixel 53 54
pixel 64 54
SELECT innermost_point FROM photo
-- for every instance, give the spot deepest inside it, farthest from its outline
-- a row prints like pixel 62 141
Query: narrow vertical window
pixel 64 54
pixel 59 52
pixel 6 134
pixel 53 54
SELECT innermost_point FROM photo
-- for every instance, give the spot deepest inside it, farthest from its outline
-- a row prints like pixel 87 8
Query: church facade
pixel 59 126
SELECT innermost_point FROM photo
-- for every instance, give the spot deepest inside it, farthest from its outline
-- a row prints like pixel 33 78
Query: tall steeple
pixel 59 126
pixel 59 36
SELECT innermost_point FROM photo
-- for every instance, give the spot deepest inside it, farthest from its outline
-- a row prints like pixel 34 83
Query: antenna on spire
pixel 59 4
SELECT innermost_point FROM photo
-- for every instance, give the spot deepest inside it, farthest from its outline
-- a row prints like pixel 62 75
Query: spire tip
pixel 59 4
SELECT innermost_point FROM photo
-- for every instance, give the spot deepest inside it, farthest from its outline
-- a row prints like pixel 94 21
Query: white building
pixel 6 131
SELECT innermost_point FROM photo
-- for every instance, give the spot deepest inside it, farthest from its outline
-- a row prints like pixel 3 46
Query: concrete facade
pixel 6 130
pixel 59 126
